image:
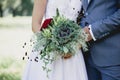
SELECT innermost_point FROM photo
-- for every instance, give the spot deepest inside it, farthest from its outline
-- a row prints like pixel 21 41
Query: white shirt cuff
pixel 92 33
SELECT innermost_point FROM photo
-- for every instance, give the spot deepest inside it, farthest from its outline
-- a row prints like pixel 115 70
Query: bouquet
pixel 60 37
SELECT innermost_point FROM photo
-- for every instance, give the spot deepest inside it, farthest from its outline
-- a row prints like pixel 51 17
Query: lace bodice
pixel 68 8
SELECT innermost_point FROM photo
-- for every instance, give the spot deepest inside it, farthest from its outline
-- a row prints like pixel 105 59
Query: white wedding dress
pixel 61 69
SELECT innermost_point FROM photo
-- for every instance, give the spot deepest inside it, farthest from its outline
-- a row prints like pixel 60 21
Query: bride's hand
pixel 67 56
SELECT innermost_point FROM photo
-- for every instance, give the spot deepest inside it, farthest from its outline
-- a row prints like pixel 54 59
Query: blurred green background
pixel 15 29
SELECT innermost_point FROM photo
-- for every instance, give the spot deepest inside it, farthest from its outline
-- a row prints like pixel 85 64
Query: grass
pixel 15 22
pixel 10 68
pixel 13 33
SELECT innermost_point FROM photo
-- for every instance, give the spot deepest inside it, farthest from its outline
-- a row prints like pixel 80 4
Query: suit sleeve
pixel 104 27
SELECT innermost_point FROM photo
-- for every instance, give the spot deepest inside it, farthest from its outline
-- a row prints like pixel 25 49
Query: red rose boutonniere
pixel 46 23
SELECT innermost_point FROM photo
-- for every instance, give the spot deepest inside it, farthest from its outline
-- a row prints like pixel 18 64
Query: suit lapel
pixel 89 1
pixel 86 3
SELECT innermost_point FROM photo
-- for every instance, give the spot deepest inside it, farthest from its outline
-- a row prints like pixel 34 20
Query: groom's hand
pixel 87 31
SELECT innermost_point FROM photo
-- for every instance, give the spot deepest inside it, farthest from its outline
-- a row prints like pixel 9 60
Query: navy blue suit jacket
pixel 104 18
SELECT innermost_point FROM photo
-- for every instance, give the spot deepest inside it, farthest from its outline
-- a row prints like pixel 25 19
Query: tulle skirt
pixel 61 69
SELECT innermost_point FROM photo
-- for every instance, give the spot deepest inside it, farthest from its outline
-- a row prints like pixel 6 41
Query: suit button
pixel 86 23
pixel 86 14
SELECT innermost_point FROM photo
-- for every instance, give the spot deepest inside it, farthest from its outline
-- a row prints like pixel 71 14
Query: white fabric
pixel 91 33
pixel 62 69
pixel 68 8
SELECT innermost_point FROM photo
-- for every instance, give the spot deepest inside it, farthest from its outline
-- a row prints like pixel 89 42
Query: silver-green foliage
pixel 62 36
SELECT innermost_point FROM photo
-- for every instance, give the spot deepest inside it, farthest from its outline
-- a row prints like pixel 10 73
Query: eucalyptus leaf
pixel 65 49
